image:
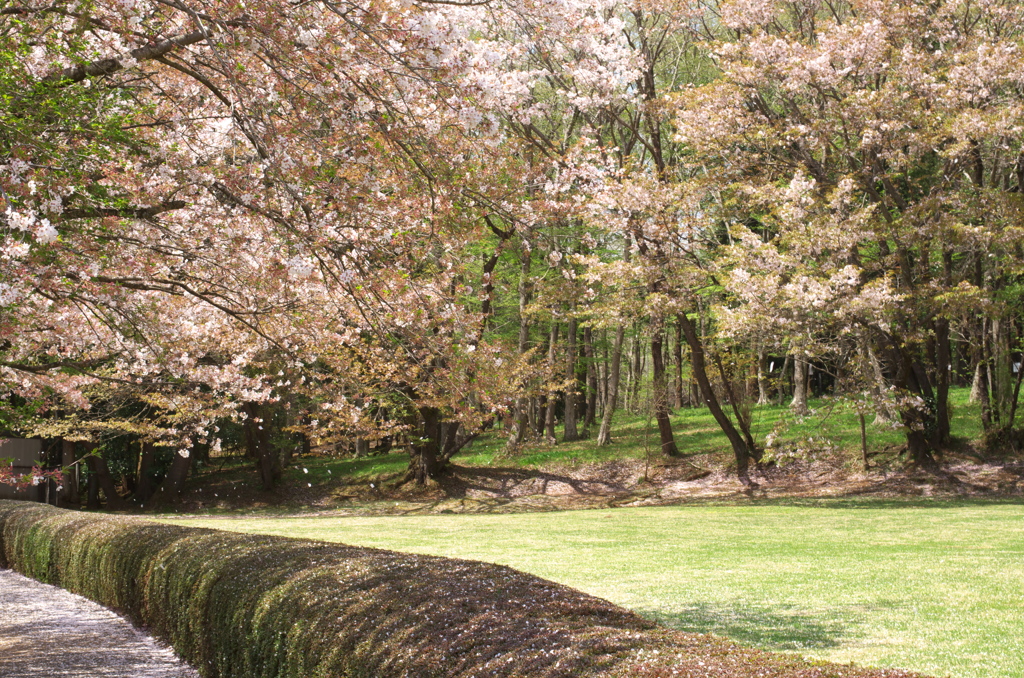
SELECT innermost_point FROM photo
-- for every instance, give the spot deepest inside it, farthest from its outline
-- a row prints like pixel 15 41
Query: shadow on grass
pixel 879 503
pixel 511 482
pixel 770 627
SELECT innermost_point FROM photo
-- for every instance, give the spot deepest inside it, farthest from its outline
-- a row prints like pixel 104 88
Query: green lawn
pixel 935 586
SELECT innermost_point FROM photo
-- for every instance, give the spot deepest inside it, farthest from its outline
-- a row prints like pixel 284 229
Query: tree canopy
pixel 412 219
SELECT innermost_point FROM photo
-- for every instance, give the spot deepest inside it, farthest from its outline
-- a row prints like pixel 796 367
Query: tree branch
pixel 74 74
pixel 78 365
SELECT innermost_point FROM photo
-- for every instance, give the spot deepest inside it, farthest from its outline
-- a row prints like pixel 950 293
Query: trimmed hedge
pixel 261 607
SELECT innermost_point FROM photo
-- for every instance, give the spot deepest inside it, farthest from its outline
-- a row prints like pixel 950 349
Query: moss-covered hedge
pixel 258 606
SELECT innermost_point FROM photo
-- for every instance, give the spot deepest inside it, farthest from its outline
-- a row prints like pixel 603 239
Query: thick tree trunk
pixel 604 436
pixel 170 489
pixel 1003 380
pixel 660 394
pixel 983 394
pixel 740 449
pixel 570 432
pixel 92 501
pixel 976 381
pixel 425 460
pixel 799 403
pixel 917 418
pixel 257 429
pixel 144 487
pixel 67 459
pixel 101 474
pixel 177 474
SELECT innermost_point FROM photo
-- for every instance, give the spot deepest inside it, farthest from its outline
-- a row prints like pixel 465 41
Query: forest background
pixel 348 226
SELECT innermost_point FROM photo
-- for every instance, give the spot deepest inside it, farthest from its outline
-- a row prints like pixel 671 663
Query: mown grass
pixel 934 586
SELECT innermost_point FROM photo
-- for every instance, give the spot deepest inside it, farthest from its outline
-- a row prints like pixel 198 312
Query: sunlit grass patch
pixel 832 425
pixel 329 469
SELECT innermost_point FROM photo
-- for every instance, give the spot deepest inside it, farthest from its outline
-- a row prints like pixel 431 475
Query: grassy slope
pixel 929 586
pixel 696 433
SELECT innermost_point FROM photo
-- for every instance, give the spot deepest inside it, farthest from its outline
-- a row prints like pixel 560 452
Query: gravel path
pixel 46 631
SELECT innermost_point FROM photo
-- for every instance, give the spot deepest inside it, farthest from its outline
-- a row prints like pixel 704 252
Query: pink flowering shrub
pixel 33 477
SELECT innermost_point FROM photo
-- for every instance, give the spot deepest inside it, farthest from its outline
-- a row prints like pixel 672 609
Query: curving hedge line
pixel 261 607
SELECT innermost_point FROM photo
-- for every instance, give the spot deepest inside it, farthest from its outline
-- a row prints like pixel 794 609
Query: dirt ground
pixel 632 482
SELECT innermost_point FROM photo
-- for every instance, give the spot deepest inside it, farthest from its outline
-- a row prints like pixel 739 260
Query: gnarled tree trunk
pixel 799 402
pixel 257 435
pixel 101 474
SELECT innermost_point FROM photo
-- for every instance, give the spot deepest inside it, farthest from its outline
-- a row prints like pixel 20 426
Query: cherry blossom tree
pixel 867 155
pixel 229 212
pixel 250 191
